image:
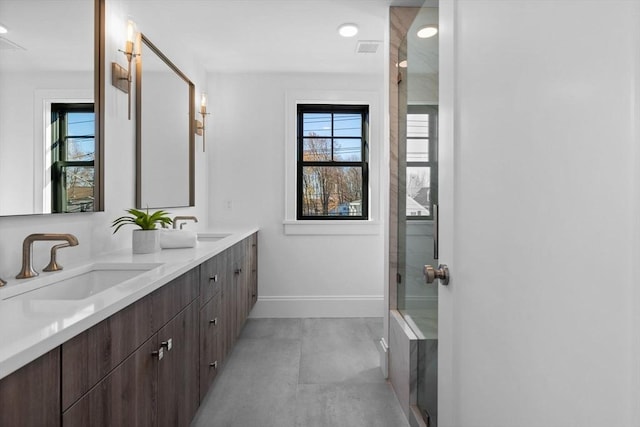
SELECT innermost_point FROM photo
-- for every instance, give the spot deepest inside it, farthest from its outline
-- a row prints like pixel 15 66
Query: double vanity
pixel 126 339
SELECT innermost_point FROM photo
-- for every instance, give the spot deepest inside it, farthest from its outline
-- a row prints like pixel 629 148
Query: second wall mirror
pixel 165 141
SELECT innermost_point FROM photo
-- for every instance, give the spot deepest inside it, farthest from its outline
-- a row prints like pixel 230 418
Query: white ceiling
pixel 223 35
pixel 269 35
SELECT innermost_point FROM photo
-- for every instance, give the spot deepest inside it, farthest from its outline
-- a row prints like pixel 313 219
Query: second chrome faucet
pixel 27 270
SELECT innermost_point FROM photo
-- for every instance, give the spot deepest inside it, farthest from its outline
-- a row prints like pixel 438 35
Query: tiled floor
pixel 303 373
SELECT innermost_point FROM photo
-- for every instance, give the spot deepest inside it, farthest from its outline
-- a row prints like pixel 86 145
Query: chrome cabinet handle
pixel 238 271
pixel 214 365
pixel 214 321
pixel 167 344
pixel 159 354
pixel 214 278
pixel 442 273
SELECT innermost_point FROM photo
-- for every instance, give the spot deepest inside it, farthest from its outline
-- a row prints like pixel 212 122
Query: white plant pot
pixel 145 241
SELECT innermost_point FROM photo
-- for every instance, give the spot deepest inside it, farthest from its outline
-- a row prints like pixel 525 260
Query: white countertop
pixel 30 328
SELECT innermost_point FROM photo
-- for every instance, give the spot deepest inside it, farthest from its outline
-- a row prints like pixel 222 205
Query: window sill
pixel 332 227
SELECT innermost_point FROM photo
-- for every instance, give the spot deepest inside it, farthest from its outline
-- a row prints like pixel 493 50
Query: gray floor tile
pixel 375 325
pixel 336 330
pixel 339 351
pixel 256 388
pixel 272 328
pixel 348 405
pixel 334 360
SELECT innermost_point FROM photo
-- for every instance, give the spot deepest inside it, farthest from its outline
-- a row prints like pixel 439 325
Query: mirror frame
pixel 98 100
pixel 143 40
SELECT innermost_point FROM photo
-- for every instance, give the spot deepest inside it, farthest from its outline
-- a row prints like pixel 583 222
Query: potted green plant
pixel 146 239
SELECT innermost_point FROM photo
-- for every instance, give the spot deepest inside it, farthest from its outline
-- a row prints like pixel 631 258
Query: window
pixel 422 161
pixel 72 157
pixel 332 162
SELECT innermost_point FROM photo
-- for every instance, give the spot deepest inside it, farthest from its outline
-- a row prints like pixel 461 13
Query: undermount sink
pixel 83 282
pixel 212 237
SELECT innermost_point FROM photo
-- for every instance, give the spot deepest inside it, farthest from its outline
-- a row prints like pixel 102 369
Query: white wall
pixel 299 275
pixel 545 214
pixel 93 229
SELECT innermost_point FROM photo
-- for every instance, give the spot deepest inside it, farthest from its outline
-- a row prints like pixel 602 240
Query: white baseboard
pixel 319 306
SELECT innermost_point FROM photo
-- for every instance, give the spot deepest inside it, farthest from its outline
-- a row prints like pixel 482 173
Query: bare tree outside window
pixel 329 190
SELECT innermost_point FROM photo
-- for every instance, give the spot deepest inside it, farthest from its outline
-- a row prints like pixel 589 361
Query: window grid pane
pixel 418 191
pixel 347 150
pixel 347 125
pixel 417 150
pixel 317 124
pixel 316 149
pixel 417 125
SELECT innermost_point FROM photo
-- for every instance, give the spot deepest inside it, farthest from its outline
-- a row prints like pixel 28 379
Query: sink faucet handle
pixel 27 270
pixel 181 218
pixel 53 263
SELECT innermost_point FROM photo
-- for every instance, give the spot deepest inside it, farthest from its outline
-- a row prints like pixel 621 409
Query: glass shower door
pixel 418 199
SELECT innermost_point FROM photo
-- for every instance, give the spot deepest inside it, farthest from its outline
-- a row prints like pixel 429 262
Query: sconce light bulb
pixel 203 103
pixel 130 31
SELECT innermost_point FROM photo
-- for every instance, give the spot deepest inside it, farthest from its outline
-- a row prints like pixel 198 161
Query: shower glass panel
pixel 418 199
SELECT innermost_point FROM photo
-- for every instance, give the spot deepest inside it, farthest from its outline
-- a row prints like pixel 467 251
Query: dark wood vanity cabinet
pixel 149 364
pixel 226 304
pixel 31 395
pixel 139 366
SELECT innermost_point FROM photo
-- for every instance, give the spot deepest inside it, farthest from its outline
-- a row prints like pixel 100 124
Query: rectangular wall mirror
pixel 51 104
pixel 165 140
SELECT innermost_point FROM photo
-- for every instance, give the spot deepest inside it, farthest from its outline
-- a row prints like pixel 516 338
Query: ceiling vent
pixel 368 46
pixel 6 44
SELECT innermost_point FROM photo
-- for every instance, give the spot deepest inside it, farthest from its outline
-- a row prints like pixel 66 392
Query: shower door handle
pixel 442 273
pixel 436 232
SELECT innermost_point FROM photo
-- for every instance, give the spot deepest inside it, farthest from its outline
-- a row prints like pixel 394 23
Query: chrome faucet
pixel 183 218
pixel 27 269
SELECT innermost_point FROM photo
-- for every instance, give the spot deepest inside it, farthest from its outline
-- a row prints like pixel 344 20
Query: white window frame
pixel 371 226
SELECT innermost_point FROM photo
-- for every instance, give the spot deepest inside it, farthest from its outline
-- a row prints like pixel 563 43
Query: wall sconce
pixel 200 128
pixel 121 77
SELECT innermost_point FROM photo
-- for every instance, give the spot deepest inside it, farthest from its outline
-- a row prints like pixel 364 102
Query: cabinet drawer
pixel 170 299
pixel 88 357
pixel 126 397
pixel 30 396
pixel 212 275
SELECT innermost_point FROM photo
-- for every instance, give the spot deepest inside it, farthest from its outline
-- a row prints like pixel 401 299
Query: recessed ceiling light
pixel 348 30
pixel 3 30
pixel 427 31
